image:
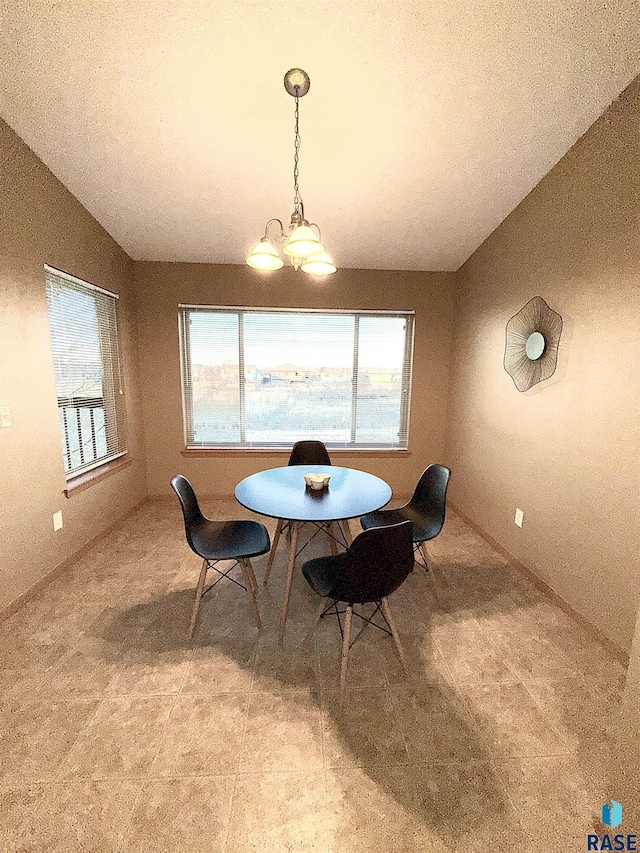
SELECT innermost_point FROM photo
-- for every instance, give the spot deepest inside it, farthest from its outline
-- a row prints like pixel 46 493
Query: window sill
pixel 83 481
pixel 203 453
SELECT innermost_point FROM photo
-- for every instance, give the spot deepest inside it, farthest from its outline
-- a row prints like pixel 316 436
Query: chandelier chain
pixel 297 198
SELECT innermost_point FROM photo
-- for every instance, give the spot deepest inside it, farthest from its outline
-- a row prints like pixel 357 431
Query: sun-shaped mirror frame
pixel 536 316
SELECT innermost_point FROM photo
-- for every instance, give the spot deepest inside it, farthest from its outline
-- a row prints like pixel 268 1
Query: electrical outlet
pixel 5 416
pixel 57 520
pixel 519 517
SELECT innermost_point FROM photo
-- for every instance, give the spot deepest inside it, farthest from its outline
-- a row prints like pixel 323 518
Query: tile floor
pixel 118 734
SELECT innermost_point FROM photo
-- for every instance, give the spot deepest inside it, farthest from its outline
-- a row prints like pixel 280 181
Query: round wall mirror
pixel 531 344
pixel 535 346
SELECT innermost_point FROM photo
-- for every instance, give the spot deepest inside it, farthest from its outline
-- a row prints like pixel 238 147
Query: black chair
pixel 302 453
pixel 374 566
pixel 426 510
pixel 216 541
pixel 309 453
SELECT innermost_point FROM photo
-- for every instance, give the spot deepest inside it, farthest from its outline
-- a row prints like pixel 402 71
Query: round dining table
pixel 282 493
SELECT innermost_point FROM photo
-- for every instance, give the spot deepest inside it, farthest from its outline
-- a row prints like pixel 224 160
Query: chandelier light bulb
pixel 264 256
pixel 319 264
pixel 303 242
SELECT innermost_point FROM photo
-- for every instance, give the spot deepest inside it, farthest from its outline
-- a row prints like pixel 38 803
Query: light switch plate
pixel 57 520
pixel 519 517
pixel 5 416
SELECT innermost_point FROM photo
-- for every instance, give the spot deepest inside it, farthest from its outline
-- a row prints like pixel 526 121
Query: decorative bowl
pixel 317 481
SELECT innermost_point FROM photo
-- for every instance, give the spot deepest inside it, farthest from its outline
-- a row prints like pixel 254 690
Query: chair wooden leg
pixel 347 532
pixel 247 571
pixel 272 552
pixel 431 574
pixel 314 624
pixel 346 641
pixel 295 526
pixel 332 539
pixel 394 633
pixel 252 575
pixel 196 604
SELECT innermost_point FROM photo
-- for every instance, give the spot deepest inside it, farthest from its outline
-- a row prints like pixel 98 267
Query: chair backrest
pixel 190 508
pixel 430 494
pixel 377 562
pixel 309 453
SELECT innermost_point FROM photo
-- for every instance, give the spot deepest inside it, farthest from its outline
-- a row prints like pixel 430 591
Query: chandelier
pixel 303 246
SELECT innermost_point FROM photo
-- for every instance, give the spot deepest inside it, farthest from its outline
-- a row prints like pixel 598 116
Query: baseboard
pixel 56 571
pixel 597 633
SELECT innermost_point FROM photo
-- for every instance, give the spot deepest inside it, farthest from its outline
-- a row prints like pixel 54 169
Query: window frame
pixel 192 447
pixel 115 420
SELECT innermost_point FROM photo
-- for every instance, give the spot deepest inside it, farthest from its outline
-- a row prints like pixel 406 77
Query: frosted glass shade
pixel 303 242
pixel 264 256
pixel 319 264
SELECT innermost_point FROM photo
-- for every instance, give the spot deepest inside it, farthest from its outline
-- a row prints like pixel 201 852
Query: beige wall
pixel 41 222
pixel 567 451
pixel 160 287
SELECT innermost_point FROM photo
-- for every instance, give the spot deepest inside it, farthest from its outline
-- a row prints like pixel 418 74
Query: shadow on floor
pixel 411 740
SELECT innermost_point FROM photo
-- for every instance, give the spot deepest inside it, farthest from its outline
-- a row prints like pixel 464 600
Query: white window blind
pixel 84 344
pixel 267 378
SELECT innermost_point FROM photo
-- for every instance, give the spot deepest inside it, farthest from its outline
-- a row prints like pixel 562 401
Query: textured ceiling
pixel 426 122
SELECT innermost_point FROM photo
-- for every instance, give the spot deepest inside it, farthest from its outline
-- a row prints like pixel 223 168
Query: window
pixel 264 378
pixel 84 343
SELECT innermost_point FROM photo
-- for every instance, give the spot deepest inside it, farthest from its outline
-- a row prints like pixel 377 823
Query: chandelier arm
pixel 278 238
pixel 317 227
